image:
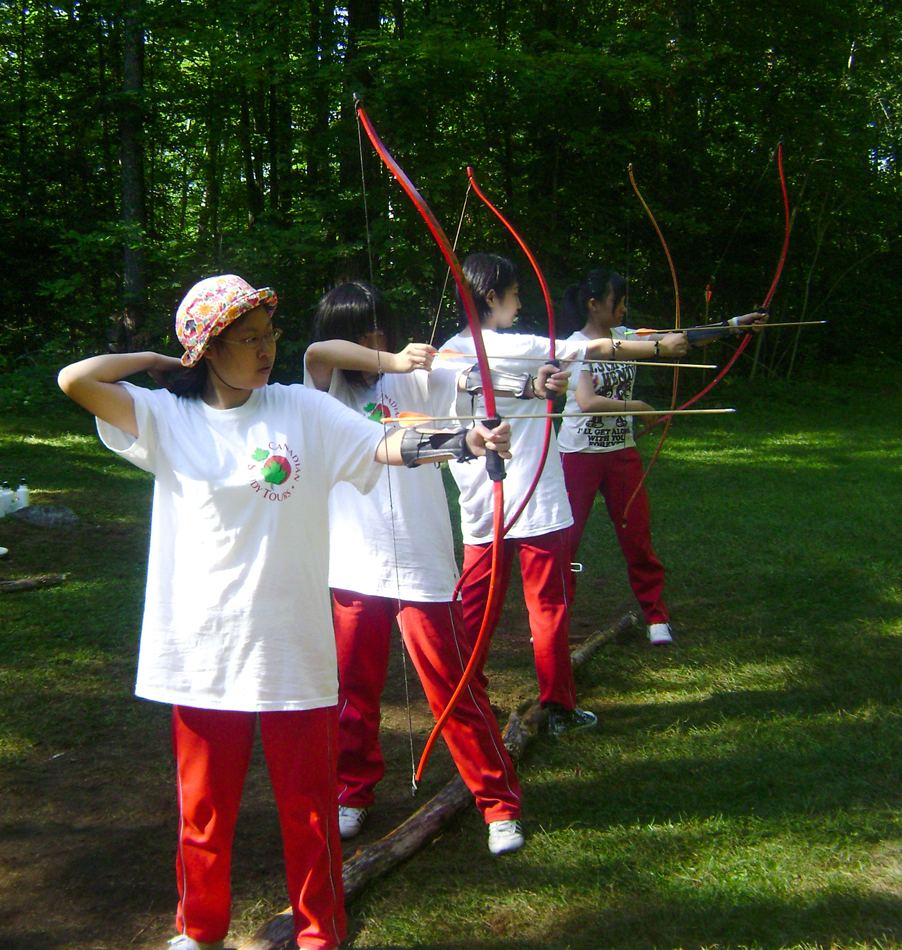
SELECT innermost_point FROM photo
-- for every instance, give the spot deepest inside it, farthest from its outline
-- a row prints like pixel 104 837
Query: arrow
pixel 646 331
pixel 453 354
pixel 415 418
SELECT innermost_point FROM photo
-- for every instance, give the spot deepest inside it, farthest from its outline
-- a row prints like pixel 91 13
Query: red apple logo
pixel 377 411
pixel 276 469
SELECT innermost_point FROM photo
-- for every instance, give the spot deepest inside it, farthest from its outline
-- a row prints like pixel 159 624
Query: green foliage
pixel 28 384
pixel 251 162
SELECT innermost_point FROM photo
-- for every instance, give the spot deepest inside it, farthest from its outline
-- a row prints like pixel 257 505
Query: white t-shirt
pixel 600 433
pixel 237 612
pixel 548 509
pixel 395 542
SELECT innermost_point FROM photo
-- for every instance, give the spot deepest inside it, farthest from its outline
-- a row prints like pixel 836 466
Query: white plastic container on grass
pixel 7 500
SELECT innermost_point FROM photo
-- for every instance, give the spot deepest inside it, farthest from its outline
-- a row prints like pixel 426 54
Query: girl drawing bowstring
pixel 237 622
pixel 392 558
pixel 541 537
pixel 599 454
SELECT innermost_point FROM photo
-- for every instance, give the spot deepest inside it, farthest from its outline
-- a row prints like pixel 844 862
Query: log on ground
pixel 378 858
pixel 32 583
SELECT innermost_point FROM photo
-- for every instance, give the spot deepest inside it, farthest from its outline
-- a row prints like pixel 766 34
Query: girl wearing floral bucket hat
pixel 237 622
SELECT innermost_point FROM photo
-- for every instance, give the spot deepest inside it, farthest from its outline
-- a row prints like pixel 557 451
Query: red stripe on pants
pixel 212 750
pixel 435 639
pixel 615 476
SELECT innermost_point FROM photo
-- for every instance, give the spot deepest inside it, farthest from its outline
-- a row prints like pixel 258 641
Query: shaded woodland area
pixel 148 143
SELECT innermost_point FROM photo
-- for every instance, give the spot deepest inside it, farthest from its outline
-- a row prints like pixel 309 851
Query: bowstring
pixel 380 392
pixel 748 205
pixel 441 299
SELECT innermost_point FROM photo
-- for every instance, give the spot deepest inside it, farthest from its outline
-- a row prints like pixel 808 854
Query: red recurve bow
pixel 549 306
pixel 494 463
pixel 676 371
pixel 770 293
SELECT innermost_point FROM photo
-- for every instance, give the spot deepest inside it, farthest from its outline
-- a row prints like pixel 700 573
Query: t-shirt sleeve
pixel 309 381
pixel 348 444
pixel 574 348
pixel 442 392
pixel 143 450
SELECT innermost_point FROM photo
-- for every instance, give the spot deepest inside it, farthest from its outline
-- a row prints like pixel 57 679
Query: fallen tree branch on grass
pixel 32 583
pixel 377 858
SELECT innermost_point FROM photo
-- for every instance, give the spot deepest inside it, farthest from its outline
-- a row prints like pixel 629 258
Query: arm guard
pixel 434 446
pixel 717 330
pixel 504 384
pixel 714 332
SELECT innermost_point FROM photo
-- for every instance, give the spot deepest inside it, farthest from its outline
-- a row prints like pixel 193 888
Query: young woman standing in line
pixel 237 625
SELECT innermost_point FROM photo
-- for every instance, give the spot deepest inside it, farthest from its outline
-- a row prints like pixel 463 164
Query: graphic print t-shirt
pixel 599 433
pixel 237 612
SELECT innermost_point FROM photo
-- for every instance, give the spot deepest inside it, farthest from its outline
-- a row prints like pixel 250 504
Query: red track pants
pixel 434 636
pixel 615 475
pixel 545 569
pixel 212 751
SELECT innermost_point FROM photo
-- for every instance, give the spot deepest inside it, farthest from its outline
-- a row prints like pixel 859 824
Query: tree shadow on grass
pixel 111 871
pixel 828 920
pixel 766 755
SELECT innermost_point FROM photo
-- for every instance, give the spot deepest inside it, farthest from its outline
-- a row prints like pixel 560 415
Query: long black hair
pixel 485 272
pixel 350 311
pixel 598 283
pixel 188 381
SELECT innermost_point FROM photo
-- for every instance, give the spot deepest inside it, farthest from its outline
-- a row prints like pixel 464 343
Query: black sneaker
pixel 561 720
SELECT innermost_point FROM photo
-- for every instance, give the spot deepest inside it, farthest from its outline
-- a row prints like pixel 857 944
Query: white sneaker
pixel 4 552
pixel 659 633
pixel 350 821
pixel 505 836
pixel 184 942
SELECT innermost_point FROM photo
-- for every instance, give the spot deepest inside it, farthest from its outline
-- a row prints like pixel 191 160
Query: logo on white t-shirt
pixel 275 469
pixel 384 408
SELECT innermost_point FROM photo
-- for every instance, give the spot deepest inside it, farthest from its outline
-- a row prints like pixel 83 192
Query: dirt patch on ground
pixel 87 837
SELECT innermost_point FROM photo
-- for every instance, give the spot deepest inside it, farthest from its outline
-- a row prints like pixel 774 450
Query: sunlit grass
pixel 66 441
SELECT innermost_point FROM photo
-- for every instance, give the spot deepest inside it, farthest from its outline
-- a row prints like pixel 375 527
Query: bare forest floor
pixel 87 838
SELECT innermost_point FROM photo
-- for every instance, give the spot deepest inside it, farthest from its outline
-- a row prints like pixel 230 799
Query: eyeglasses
pixel 256 342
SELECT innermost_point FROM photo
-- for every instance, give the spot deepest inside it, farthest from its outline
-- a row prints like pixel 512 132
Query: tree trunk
pixel 322 55
pixel 252 190
pixel 132 162
pixel 363 16
pixel 22 85
pixel 209 229
pixel 275 177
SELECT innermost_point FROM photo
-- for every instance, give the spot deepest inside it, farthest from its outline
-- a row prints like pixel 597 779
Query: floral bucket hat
pixel 210 306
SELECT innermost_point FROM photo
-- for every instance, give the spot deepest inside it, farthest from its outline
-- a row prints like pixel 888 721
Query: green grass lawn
pixel 742 788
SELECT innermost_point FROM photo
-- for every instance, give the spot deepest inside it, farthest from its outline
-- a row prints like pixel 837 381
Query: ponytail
pixel 597 284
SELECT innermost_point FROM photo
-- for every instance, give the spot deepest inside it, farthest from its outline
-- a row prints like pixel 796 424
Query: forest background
pixel 744 791
pixel 145 144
